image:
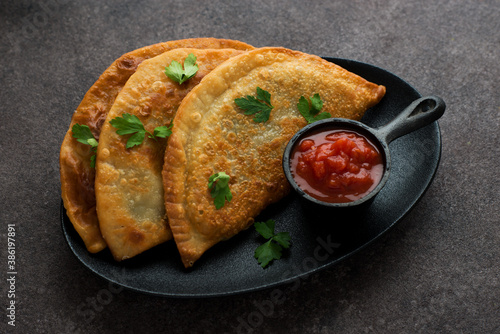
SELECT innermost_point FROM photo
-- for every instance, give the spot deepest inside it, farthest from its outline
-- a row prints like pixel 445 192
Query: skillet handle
pixel 419 113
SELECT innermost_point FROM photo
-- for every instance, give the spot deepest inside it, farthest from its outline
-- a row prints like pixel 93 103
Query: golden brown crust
pixel 77 177
pixel 212 135
pixel 128 183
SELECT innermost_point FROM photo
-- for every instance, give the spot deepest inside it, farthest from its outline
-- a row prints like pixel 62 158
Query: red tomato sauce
pixel 336 166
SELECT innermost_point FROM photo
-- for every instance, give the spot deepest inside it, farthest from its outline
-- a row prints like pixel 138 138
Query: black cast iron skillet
pixel 418 114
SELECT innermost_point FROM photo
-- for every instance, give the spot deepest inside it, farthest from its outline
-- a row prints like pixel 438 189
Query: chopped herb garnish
pixel 311 112
pixel 272 249
pixel 218 184
pixel 261 106
pixel 175 71
pixel 83 135
pixel 163 131
pixel 131 124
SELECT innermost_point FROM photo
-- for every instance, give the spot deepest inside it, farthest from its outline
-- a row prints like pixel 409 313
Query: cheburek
pixel 128 184
pixel 211 134
pixel 77 177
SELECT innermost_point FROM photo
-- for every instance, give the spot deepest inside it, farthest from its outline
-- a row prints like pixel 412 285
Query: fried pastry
pixel 77 175
pixel 128 183
pixel 211 134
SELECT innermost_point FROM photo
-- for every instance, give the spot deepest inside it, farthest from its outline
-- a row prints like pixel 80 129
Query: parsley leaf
pixel 218 184
pixel 267 252
pixel 261 106
pixel 92 160
pixel 83 135
pixel 163 131
pixel 283 238
pixel 265 229
pixel 272 249
pixel 175 71
pixel 311 112
pixel 131 124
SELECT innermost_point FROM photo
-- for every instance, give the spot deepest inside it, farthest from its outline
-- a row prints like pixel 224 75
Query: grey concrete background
pixel 435 272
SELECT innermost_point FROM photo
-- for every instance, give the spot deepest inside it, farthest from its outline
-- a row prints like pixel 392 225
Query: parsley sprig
pixel 218 184
pixel 260 105
pixel 83 135
pixel 311 112
pixel 175 71
pixel 131 124
pixel 271 250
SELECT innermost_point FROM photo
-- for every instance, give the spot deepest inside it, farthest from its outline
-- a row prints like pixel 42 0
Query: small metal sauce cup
pixel 419 113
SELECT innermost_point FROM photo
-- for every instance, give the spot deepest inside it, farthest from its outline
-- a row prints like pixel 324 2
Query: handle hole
pixel 424 106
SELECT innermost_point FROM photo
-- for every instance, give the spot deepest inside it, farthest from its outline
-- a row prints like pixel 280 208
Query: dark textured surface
pixel 437 271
